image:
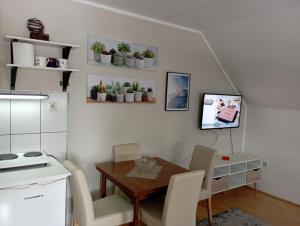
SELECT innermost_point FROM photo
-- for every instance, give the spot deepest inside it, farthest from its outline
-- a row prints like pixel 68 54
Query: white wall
pixel 274 134
pixel 95 128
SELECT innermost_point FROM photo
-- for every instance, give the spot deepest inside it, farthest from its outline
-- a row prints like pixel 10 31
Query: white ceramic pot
pixel 23 53
pixel 101 97
pixel 139 63
pixel 120 97
pixel 129 62
pixel 129 97
pixel 138 96
pixel 150 96
pixel 106 59
pixel 97 57
pixel 148 62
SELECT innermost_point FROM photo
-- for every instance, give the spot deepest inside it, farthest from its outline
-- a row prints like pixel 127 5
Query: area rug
pixel 234 217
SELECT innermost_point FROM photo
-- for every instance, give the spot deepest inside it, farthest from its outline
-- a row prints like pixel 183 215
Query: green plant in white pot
pixel 129 96
pixel 101 95
pixel 97 47
pixel 138 93
pixel 119 92
pixel 150 94
pixel 149 58
pixel 139 60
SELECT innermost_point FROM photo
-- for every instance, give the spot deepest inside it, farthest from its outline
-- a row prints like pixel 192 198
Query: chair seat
pixel 152 210
pixel 204 194
pixel 112 210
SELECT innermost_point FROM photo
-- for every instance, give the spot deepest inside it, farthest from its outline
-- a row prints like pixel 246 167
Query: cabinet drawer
pixel 220 184
pixel 253 175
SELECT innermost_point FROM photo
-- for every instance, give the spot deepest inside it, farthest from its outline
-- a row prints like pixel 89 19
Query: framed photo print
pixel 177 91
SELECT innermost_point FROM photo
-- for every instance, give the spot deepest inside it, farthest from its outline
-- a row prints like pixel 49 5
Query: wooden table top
pixel 137 187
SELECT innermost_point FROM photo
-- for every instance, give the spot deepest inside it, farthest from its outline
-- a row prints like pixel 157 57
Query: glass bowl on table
pixel 145 163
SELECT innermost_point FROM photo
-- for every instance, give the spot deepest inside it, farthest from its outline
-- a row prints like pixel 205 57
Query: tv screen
pixel 220 111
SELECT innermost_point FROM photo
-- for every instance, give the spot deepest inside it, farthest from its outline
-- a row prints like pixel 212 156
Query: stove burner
pixel 7 157
pixel 33 154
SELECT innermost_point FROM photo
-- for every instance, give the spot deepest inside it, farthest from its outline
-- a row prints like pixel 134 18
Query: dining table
pixel 137 189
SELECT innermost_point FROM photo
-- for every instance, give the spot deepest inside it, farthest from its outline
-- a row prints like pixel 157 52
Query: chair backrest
pixel 204 159
pixel 127 152
pixel 83 210
pixel 182 199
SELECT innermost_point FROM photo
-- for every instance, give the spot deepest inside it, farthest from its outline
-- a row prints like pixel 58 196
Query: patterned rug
pixel 234 217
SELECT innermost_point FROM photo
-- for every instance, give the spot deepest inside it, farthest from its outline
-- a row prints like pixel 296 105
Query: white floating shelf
pixel 42 42
pixel 42 68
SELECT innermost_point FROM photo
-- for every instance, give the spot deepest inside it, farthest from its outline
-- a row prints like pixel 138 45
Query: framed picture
pixel 177 91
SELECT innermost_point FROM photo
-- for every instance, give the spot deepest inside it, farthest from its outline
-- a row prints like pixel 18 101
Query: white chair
pixel 110 211
pixel 127 152
pixel 204 159
pixel 180 205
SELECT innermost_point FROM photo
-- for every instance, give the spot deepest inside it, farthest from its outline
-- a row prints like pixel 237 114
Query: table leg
pixel 103 185
pixel 136 212
pixel 255 189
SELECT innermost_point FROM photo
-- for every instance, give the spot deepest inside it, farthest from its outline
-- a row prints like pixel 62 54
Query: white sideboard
pixel 241 169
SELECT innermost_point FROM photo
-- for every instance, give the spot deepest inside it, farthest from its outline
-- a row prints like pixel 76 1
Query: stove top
pixel 23 159
pixel 4 157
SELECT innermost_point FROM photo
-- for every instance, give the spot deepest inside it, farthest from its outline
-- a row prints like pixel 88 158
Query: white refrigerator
pixel 34 196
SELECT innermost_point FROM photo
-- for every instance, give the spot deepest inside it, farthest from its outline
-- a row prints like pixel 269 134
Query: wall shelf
pixel 66 48
pixel 41 42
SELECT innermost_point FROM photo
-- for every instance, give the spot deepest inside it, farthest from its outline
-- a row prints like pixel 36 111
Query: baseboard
pixel 275 197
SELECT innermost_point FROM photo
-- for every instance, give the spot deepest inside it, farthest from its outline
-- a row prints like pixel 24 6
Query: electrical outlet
pixel 266 163
pixel 52 106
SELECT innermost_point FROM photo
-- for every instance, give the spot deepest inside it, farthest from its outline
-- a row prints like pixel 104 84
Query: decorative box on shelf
pixel 241 169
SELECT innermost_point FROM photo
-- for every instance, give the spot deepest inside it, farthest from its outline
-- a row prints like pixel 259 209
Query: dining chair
pixel 180 205
pixel 126 152
pixel 204 159
pixel 109 211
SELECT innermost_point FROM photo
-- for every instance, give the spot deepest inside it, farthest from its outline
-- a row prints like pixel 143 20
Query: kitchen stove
pixel 8 161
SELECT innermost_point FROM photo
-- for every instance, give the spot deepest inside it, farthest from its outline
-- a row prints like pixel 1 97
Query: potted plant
pixel 97 47
pixel 118 59
pixel 101 95
pixel 149 94
pixel 109 91
pixel 138 94
pixel 105 57
pixel 94 91
pixel 139 60
pixel 127 86
pixel 112 53
pixel 144 95
pixel 129 61
pixel 123 48
pixel 149 58
pixel 119 92
pixel 129 95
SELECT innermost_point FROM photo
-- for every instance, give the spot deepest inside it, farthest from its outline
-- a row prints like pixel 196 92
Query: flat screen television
pixel 220 111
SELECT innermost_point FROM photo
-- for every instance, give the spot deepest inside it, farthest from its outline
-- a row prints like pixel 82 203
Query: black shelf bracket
pixel 13 77
pixel 66 51
pixel 13 70
pixel 65 81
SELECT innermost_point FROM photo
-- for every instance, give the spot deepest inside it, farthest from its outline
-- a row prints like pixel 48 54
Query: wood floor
pixel 269 209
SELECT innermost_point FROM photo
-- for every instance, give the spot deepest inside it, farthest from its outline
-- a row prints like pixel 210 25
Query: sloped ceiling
pixel 257 41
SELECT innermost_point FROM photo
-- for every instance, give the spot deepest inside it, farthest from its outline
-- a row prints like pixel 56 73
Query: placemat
pixel 145 174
